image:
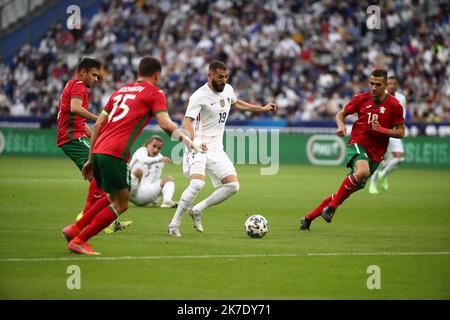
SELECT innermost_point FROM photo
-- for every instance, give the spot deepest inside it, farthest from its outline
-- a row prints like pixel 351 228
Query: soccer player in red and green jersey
pixel 73 132
pixel 126 114
pixel 380 116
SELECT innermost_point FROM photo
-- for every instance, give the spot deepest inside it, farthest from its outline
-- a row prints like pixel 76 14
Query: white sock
pixel 392 163
pixel 218 196
pixel 167 191
pixel 187 198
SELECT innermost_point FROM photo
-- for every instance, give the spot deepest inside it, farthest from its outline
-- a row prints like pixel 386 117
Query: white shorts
pixel 396 145
pixel 146 193
pixel 216 163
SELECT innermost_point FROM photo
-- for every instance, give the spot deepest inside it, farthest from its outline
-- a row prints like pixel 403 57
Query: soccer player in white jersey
pixel 396 150
pixel 146 167
pixel 204 120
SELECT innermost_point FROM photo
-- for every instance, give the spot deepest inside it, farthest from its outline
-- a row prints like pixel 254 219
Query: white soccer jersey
pixel 210 110
pixel 401 97
pixel 152 166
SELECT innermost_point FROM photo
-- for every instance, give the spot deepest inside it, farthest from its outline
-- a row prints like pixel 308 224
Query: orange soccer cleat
pixel 70 232
pixel 78 246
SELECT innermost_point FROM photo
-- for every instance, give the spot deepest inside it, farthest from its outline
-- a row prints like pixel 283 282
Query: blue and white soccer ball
pixel 256 226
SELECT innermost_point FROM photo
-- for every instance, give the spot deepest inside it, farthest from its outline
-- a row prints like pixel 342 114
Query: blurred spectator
pixel 308 56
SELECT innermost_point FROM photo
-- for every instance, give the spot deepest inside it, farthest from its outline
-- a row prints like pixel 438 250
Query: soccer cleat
pixel 80 247
pixel 171 204
pixel 197 218
pixel 373 189
pixel 117 226
pixel 328 212
pixel 382 181
pixel 305 224
pixel 70 232
pixel 174 231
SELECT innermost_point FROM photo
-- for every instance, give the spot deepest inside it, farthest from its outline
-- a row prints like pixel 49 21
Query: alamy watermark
pixel 74 20
pixel 374 20
pixel 74 280
pixel 245 146
pixel 374 280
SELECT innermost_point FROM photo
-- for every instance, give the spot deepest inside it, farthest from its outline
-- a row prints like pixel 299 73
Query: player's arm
pixel 76 106
pixel 187 125
pixel 397 132
pixel 88 130
pixel 152 160
pixel 341 128
pixel 245 106
pixel 172 130
pixel 87 168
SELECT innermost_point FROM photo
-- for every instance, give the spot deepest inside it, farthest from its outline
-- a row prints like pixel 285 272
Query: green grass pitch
pixel 405 232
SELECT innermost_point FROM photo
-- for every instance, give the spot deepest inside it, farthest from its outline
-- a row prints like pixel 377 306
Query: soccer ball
pixel 256 226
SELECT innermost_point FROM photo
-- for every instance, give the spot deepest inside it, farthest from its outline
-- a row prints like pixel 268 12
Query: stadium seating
pixel 309 57
pixel 14 10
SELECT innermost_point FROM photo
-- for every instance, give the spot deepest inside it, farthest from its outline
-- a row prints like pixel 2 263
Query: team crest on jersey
pixel 382 109
pixel 222 103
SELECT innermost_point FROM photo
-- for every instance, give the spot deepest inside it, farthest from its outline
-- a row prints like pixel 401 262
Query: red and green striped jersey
pixel 129 110
pixel 71 126
pixel 388 112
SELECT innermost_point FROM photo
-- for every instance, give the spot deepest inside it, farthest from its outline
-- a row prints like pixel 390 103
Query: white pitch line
pixel 227 256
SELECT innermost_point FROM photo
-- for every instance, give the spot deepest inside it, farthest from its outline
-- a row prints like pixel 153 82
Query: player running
pixel 124 117
pixel 146 167
pixel 397 152
pixel 205 119
pixel 380 116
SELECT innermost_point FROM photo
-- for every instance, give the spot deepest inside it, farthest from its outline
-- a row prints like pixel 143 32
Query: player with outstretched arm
pixel 205 118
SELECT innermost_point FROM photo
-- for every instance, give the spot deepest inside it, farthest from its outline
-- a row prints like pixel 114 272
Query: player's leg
pixel 306 221
pixel 397 157
pixel 373 187
pixel 194 166
pixel 167 190
pixel 119 204
pixel 352 183
pixel 146 193
pixel 94 195
pixel 230 186
pixel 137 172
pixel 113 175
pixel 223 174
pixel 78 151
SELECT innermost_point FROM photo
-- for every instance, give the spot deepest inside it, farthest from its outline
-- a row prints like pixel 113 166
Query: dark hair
pixel 88 63
pixel 148 66
pixel 216 64
pixel 157 138
pixel 379 73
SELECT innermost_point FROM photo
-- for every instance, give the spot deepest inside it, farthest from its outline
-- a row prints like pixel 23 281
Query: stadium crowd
pixel 310 57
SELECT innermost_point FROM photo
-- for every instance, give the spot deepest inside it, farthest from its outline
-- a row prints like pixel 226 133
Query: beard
pixel 216 86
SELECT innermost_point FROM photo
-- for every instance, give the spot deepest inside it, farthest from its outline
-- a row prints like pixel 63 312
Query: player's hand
pixel 270 107
pixel 375 125
pixel 165 160
pixel 87 171
pixel 199 147
pixel 341 131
